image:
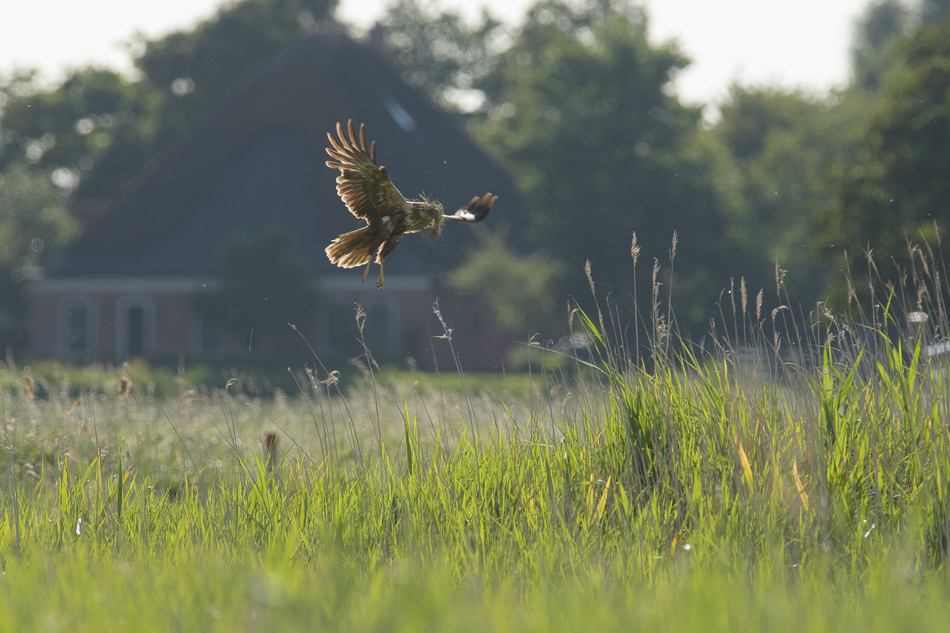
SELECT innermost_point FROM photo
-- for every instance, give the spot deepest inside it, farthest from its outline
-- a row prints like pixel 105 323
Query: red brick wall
pixel 479 343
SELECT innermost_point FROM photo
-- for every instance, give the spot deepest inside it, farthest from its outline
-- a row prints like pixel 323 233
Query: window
pixel 135 327
pixel 77 319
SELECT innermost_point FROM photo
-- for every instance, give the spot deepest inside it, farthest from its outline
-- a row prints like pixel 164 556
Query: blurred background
pixel 780 146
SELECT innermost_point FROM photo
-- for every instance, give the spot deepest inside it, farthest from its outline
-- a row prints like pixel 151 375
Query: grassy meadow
pixel 791 475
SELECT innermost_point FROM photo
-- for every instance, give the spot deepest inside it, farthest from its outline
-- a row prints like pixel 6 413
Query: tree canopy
pixel 33 223
pixel 582 114
pixel 96 129
pixel 897 188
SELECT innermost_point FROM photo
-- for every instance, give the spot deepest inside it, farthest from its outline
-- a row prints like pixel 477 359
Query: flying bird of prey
pixel 369 194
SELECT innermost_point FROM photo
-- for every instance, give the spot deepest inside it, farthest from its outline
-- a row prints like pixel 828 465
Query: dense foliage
pixel 601 151
pixel 265 284
pixel 898 186
pixel 33 223
pixel 578 104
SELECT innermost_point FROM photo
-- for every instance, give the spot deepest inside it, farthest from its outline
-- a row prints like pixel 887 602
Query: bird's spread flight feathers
pixel 364 187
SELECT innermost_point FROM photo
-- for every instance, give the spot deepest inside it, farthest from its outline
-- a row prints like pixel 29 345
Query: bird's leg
pixel 366 272
pixel 379 282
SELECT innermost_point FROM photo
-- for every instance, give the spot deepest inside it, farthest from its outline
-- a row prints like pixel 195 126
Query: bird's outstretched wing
pixel 365 188
pixel 477 210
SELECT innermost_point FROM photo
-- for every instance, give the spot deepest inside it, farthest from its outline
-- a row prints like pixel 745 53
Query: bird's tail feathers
pixel 353 249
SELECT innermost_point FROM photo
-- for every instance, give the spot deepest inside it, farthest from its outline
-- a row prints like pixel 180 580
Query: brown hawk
pixel 369 194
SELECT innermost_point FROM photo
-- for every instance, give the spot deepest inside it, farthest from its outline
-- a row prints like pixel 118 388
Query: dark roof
pixel 258 161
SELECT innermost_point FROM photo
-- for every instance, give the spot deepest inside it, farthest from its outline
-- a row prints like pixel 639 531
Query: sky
pixel 802 44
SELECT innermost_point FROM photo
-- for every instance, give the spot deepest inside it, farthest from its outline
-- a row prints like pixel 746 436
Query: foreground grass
pixel 77 593
pixel 710 493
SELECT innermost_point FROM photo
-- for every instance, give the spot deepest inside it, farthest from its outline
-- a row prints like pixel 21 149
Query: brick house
pixel 125 288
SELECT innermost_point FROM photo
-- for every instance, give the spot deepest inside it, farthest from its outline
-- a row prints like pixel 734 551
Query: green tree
pixel 933 11
pixel 898 187
pixel 581 113
pixel 196 68
pixel 95 130
pixel 193 70
pixel 880 26
pixel 33 225
pixel 780 146
pixel 68 130
pixel 518 287
pixel 442 55
pixel 266 285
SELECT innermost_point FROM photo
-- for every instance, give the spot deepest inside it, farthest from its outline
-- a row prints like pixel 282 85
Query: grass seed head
pixel 125 386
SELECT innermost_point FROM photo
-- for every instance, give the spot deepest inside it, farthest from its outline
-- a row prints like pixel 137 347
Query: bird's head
pixel 432 213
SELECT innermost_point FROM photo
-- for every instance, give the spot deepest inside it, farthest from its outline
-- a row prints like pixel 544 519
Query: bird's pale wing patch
pixel 365 188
